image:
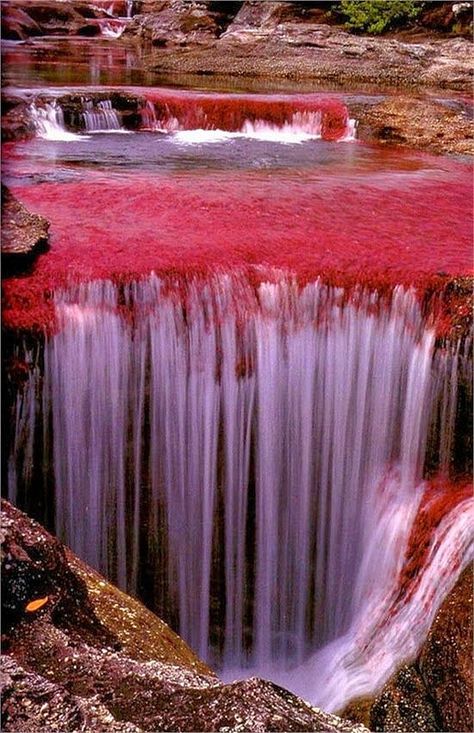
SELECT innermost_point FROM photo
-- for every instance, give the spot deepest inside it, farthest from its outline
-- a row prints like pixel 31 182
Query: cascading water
pixel 100 117
pixel 239 456
pixel 297 117
pixel 48 121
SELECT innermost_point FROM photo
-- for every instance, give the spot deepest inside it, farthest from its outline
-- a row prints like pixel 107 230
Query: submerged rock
pixel 91 658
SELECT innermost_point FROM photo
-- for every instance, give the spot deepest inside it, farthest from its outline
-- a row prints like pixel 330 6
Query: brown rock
pixel 446 662
pixel 419 123
pixel 93 659
pixel 177 22
pixel 404 705
pixel 24 235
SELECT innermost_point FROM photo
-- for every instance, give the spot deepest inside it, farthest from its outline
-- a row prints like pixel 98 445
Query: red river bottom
pixel 375 231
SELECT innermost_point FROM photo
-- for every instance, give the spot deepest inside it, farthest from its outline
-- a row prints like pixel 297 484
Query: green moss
pixel 377 16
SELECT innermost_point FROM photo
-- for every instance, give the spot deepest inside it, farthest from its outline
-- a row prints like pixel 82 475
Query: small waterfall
pixel 129 8
pixel 112 28
pixel 286 118
pixel 48 121
pixel 249 459
pixel 148 115
pixel 100 116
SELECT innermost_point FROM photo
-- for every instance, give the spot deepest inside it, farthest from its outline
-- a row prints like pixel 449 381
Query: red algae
pixel 231 111
pixel 440 498
pixel 368 232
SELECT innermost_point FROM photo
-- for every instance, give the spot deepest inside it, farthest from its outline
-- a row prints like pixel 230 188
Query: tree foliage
pixel 377 16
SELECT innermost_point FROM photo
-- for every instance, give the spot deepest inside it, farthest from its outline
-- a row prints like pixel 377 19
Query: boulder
pixel 81 655
pixel 446 662
pixel 22 19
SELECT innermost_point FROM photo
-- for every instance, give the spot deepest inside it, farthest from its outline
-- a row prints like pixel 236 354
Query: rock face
pixel 24 235
pixel 21 20
pixel 293 40
pixel 446 659
pixel 177 23
pixel 81 655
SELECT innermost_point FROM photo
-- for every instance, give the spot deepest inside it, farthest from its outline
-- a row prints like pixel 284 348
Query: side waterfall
pixel 249 460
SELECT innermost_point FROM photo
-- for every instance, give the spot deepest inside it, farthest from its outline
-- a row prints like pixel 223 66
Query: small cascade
pixel 100 116
pixel 249 460
pixel 48 121
pixel 286 118
pixel 111 28
pixel 129 8
pixel 148 116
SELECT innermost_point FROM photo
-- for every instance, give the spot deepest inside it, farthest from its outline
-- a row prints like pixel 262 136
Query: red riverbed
pixel 371 230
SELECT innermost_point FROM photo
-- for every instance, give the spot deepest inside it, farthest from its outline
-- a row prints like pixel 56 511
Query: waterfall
pixel 48 121
pixel 100 117
pixel 302 116
pixel 248 458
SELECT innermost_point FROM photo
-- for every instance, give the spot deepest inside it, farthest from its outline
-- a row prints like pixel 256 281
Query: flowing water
pixel 241 378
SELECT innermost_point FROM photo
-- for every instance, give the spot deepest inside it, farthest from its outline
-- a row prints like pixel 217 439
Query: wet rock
pixel 90 658
pixel 419 123
pixel 256 16
pixel 435 692
pixel 446 662
pixel 24 235
pixel 404 705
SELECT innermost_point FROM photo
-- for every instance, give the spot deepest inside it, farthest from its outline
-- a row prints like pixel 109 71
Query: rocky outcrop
pixel 24 235
pixel 81 655
pixel 21 20
pixel 446 662
pixel 177 23
pixel 434 693
pixel 419 123
pixel 286 40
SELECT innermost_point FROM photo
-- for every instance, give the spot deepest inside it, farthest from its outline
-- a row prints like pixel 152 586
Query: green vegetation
pixel 377 16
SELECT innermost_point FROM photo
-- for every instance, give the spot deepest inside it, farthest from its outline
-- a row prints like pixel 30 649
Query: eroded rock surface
pixel 22 20
pixel 81 655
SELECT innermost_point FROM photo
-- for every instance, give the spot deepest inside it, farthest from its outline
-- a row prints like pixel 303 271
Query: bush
pixel 377 16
